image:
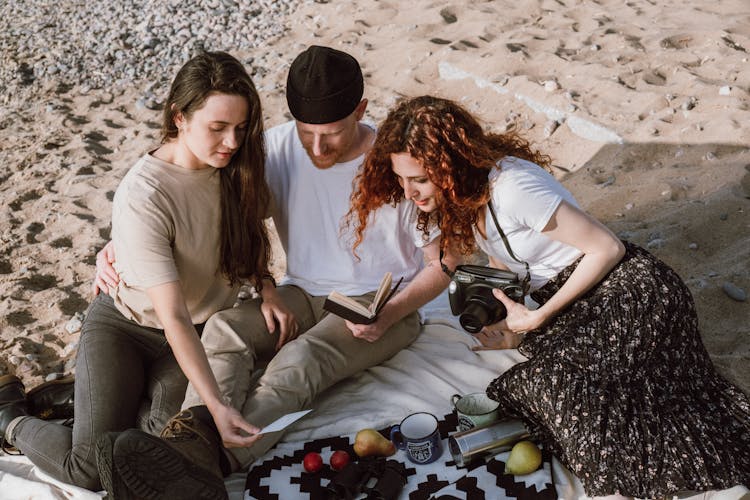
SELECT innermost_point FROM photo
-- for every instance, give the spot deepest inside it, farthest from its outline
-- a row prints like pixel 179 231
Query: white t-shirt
pixel 309 205
pixel 524 197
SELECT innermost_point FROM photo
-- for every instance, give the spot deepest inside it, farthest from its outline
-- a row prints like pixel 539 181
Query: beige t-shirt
pixel 165 227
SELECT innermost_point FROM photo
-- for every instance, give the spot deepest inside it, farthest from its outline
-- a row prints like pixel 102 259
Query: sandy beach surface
pixel 643 105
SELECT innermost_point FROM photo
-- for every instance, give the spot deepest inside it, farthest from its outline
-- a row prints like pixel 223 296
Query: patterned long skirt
pixel 620 387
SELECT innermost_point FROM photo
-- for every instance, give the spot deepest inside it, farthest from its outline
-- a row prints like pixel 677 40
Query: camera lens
pixel 480 313
pixel 473 318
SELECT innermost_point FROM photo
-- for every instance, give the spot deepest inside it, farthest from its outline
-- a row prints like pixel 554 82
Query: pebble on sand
pixel 734 292
pixel 74 324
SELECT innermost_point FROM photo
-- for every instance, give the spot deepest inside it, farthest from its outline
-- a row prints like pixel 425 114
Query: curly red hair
pixel 457 155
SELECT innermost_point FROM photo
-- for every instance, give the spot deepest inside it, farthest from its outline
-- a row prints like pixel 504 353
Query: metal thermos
pixel 489 439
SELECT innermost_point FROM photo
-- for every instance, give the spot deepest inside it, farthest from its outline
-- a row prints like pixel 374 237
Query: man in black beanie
pixel 324 93
pixel 311 165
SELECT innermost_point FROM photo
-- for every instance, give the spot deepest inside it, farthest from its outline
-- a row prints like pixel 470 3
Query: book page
pixel 350 303
pixel 382 293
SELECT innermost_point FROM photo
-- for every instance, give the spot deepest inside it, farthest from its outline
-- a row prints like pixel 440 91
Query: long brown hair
pixel 457 155
pixel 245 248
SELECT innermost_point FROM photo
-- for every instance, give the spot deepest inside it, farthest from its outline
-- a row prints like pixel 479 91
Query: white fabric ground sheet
pixel 421 378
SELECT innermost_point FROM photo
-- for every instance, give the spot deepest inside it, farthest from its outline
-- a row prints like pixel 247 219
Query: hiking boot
pixel 52 400
pixel 111 482
pixel 12 405
pixel 183 463
pixel 12 401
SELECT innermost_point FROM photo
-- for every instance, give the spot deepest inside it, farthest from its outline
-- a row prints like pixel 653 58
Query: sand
pixel 642 105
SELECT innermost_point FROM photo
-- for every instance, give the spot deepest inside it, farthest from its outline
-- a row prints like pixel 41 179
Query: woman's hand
pixel 106 276
pixel 276 313
pixel 520 319
pixel 371 332
pixel 492 338
pixel 508 333
pixel 235 431
pixel 169 304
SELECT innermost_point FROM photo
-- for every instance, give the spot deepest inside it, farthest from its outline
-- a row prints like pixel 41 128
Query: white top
pixel 525 196
pixel 165 227
pixel 309 205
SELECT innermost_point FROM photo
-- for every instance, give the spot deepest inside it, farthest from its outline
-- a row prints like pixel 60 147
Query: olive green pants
pixel 325 352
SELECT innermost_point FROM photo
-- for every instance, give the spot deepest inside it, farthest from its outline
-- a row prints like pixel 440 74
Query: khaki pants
pixel 324 353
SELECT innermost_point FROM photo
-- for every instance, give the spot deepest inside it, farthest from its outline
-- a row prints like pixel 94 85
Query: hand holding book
pixel 349 309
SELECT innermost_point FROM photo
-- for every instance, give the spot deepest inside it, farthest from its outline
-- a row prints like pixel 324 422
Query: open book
pixel 347 308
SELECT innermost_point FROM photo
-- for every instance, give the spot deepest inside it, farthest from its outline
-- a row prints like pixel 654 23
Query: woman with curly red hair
pixel 617 383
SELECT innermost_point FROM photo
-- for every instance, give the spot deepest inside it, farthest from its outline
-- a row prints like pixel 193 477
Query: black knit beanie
pixel 324 85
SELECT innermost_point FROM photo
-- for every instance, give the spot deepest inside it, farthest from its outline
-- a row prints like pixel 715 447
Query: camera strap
pixel 527 280
pixel 444 267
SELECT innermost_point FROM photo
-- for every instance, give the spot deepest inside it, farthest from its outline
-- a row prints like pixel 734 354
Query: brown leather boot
pixel 183 463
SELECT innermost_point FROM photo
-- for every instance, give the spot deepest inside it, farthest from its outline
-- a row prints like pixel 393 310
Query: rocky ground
pixel 644 107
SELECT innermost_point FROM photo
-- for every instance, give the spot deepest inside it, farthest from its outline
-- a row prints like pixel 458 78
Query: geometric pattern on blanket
pixel 280 475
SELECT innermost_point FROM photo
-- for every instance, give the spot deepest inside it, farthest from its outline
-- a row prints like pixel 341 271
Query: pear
pixel 524 458
pixel 369 442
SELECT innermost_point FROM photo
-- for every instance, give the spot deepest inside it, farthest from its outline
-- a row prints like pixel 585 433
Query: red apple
pixel 312 462
pixel 339 459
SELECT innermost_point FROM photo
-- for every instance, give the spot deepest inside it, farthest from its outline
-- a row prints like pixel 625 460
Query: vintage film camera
pixel 471 299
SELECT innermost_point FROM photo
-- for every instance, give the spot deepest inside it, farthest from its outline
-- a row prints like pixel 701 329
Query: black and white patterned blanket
pixel 281 475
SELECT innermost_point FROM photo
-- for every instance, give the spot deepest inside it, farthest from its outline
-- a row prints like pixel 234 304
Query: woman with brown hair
pixel 618 384
pixel 187 227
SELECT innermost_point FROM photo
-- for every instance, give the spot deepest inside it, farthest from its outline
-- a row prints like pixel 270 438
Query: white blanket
pixel 423 377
